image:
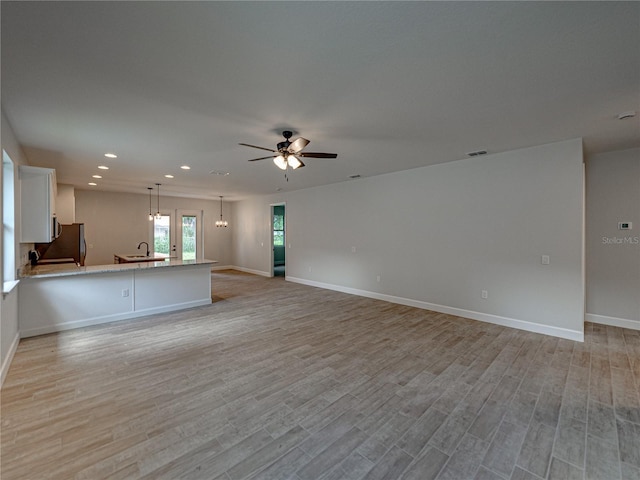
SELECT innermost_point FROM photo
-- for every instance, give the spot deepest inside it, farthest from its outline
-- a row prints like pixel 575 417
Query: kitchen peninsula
pixel 52 298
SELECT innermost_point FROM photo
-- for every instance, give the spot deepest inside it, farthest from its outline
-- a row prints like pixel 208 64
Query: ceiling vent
pixel 477 153
pixel 625 115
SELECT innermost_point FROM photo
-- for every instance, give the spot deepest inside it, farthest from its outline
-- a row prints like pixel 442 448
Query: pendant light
pixel 150 214
pixel 221 223
pixel 158 214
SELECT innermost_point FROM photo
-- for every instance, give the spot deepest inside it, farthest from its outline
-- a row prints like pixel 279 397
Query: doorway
pixel 178 234
pixel 278 240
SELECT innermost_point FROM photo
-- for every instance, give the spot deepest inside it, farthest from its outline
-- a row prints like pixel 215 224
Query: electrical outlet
pixel 485 294
pixel 546 260
pixel 309 269
pixel 353 249
pixel 378 278
pixel 125 292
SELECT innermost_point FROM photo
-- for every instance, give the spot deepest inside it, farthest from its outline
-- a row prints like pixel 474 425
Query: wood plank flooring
pixel 276 380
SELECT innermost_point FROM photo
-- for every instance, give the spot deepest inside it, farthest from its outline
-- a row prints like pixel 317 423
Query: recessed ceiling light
pixel 110 155
pixel 169 176
pixel 185 167
pixel 218 172
pixel 96 176
pixel 93 184
pixel 103 167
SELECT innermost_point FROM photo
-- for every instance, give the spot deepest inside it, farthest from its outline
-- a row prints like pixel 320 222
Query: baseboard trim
pixel 32 332
pixel 222 267
pixel 575 335
pixel 250 270
pixel 6 362
pixel 613 321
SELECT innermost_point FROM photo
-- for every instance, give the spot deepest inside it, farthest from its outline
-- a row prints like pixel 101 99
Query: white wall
pixel 118 222
pixel 439 235
pixel 613 256
pixel 66 203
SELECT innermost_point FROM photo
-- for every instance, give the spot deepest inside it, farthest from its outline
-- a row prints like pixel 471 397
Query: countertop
pixel 66 269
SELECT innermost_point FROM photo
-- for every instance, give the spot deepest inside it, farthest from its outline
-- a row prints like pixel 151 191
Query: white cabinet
pixel 37 205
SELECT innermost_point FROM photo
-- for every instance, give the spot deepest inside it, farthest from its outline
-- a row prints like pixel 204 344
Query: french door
pixel 178 234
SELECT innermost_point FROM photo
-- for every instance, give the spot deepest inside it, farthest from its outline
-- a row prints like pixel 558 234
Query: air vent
pixel 625 115
pixel 357 175
pixel 477 153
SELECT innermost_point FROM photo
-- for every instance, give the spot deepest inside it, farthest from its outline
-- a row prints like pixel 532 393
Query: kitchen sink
pixel 136 257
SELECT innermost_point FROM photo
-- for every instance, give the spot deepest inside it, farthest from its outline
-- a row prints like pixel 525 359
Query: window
pixel 8 221
pixel 278 230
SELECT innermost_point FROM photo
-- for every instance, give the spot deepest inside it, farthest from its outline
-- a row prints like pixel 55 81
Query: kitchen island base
pixel 53 303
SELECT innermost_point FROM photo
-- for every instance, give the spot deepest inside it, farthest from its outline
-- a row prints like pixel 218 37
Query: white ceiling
pixel 386 85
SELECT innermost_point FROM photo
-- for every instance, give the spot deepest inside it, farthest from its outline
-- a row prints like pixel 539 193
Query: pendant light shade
pixel 158 214
pixel 150 214
pixel 280 162
pixel 221 222
pixel 293 162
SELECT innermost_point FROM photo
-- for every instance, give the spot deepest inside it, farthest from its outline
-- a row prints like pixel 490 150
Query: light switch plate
pixel 546 260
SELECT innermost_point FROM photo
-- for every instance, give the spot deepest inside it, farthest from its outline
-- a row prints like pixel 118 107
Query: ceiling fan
pixel 288 153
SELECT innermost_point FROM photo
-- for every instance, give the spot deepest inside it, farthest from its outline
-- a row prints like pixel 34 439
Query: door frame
pixel 199 214
pixel 175 232
pixel 271 266
pixel 172 219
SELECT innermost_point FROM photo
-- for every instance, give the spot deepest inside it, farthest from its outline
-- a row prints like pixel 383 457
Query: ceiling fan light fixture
pixel 280 162
pixel 288 153
pixel 293 162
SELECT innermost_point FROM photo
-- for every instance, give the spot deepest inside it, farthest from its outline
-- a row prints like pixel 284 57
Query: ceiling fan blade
pixel 261 158
pixel 255 146
pixel 317 155
pixel 297 145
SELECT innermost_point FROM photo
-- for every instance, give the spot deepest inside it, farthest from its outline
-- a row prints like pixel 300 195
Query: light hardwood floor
pixel 282 381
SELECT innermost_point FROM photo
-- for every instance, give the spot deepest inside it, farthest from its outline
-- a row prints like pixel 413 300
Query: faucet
pixel 140 244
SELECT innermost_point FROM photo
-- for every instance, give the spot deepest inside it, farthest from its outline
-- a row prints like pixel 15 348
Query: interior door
pixel 188 235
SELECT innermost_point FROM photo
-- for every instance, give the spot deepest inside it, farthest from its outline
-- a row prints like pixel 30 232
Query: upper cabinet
pixel 38 221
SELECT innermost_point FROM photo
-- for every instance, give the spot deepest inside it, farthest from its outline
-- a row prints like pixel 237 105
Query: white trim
pixel 575 335
pixel 613 321
pixel 250 270
pixel 6 362
pixel 32 332
pixel 222 267
pixel 9 285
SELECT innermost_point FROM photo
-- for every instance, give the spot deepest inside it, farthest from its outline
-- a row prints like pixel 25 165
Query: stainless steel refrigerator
pixel 69 247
